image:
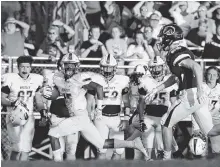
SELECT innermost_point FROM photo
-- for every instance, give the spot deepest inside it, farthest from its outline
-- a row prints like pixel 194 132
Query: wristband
pixel 99 104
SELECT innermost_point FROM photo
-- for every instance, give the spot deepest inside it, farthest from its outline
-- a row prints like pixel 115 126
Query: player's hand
pixel 47 91
pixel 123 125
pixel 16 103
pixel 98 114
pixel 143 126
pixel 150 96
pixel 45 118
pixel 94 47
pixel 201 96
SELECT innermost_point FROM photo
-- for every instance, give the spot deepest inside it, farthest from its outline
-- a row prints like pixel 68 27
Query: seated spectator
pixel 54 45
pixel 12 38
pixel 198 36
pixel 117 46
pixel 113 16
pixel 194 21
pixel 93 48
pixel 148 36
pixel 212 49
pixel 139 50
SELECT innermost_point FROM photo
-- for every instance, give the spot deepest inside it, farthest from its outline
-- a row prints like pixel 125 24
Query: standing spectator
pixel 93 12
pixel 117 46
pixel 113 16
pixel 212 49
pixel 154 24
pixel 194 21
pixel 214 12
pixel 198 36
pixel 179 16
pixel 54 44
pixel 139 50
pixel 93 48
pixel 12 39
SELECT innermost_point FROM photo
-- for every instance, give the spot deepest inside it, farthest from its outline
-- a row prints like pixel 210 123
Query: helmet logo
pixel 169 30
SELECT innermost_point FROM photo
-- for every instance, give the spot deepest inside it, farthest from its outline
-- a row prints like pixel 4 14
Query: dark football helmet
pixel 168 35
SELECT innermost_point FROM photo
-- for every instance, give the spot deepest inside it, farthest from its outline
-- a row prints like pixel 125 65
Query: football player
pixel 115 88
pixel 17 94
pixel 192 98
pixel 74 85
pixel 155 109
pixel 212 88
pixel 68 144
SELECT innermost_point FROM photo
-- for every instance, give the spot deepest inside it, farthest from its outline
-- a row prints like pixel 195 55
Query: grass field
pixel 124 163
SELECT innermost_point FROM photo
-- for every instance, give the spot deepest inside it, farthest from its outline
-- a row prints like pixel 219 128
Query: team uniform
pixel 155 109
pixel 113 90
pixel 74 94
pixel 188 103
pixel 58 107
pixel 214 108
pixel 21 137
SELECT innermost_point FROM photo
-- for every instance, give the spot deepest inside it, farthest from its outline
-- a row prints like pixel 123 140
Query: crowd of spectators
pixel 125 30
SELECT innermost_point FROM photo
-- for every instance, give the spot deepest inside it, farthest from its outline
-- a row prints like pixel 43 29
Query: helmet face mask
pixel 70 69
pixel 108 66
pixel 157 67
pixel 69 65
pixel 107 71
pixel 157 71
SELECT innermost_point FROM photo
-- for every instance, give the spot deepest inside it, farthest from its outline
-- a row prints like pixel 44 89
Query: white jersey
pixel 163 97
pixel 73 91
pixel 112 89
pixel 24 89
pixel 214 99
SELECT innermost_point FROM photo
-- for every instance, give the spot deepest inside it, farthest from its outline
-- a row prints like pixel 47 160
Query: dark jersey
pixel 186 77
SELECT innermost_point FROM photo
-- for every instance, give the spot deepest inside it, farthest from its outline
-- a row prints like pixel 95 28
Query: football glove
pixel 45 118
pixel 143 126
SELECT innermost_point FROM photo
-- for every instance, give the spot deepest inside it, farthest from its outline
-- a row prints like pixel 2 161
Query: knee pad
pixel 119 151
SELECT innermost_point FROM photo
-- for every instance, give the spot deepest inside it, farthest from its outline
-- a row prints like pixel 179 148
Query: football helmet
pixel 197 145
pixel 19 115
pixel 139 71
pixel 69 65
pixel 157 67
pixel 108 66
pixel 168 35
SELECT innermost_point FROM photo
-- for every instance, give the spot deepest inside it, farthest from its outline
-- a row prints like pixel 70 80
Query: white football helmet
pixel 19 115
pixel 157 67
pixel 197 145
pixel 108 66
pixel 139 71
pixel 69 65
